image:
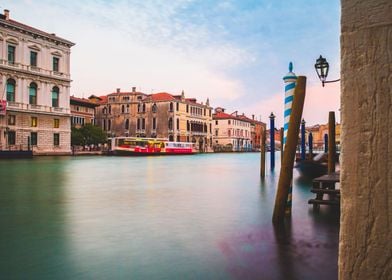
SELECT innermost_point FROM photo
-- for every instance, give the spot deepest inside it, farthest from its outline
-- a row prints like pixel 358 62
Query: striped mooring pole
pixel 290 81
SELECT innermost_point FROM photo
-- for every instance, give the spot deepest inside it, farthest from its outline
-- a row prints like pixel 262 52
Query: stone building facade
pixel 366 113
pixel 159 115
pixel 82 111
pixel 35 78
pixel 232 130
pixel 117 112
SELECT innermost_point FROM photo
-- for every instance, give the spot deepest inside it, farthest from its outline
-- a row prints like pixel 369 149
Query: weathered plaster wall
pixel 366 222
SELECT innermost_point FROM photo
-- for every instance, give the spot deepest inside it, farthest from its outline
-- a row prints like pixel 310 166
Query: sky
pixel 233 52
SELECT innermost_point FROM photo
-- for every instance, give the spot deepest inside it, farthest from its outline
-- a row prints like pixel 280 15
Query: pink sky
pixel 318 102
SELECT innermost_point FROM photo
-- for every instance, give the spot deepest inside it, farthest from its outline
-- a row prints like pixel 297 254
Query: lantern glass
pixel 322 68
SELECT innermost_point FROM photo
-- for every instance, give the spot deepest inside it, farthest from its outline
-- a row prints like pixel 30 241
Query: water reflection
pixel 190 217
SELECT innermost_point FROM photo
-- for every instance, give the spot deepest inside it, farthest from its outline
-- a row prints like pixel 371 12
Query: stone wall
pixel 365 250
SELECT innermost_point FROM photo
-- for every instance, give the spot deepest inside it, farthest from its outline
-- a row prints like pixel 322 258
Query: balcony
pixel 24 107
pixel 35 69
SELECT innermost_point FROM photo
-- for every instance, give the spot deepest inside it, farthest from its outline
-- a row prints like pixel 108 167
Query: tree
pixel 77 138
pixel 93 134
pixel 87 135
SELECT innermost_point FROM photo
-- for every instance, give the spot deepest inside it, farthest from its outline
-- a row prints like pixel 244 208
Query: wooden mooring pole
pixel 281 144
pixel 286 170
pixel 331 143
pixel 262 153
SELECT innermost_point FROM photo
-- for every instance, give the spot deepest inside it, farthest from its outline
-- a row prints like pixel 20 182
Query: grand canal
pixel 188 217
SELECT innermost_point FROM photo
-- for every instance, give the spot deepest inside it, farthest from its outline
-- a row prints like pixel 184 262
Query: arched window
pixel 109 125
pixel 187 126
pixel 144 107
pixel 110 110
pixel 55 97
pixel 33 94
pixel 170 123
pixel 122 109
pixel 126 124
pixel 171 107
pixel 104 110
pixel 11 90
pixel 178 124
pixel 139 106
pixel 154 108
pixel 138 124
pixel 127 108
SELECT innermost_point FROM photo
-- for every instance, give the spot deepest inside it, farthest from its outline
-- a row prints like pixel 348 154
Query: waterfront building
pixel 318 132
pixel 82 111
pixel 232 132
pixel 35 81
pixel 117 112
pixel 158 115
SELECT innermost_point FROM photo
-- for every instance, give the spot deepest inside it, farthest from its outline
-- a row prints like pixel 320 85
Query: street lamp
pixel 322 67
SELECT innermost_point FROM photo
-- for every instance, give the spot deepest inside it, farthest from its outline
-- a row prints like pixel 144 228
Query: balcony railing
pixel 36 108
pixel 33 69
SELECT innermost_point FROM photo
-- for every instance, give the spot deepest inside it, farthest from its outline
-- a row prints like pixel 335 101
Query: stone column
pixel 365 250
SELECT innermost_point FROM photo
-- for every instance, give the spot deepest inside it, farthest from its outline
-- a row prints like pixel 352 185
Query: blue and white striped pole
pixel 290 80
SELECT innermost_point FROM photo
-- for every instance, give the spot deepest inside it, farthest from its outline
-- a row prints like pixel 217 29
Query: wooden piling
pixel 281 144
pixel 331 143
pixel 286 171
pixel 262 153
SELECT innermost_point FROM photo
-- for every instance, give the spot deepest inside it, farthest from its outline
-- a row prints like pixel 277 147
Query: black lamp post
pixel 322 68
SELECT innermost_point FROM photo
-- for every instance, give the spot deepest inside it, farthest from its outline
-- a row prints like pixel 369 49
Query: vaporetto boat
pixel 135 146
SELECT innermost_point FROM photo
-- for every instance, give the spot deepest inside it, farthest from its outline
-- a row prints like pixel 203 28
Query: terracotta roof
pixel 34 30
pixel 221 115
pixel 82 101
pixel 162 96
pixel 225 116
pixel 104 99
pixel 125 93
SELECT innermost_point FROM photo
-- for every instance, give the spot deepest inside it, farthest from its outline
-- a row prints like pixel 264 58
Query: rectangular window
pixel 154 123
pixel 228 121
pixel 143 123
pixel 56 123
pixel 187 108
pixel 34 138
pixel 56 62
pixel 216 122
pixel 34 122
pixel 11 54
pixel 33 58
pixel 11 119
pixel 56 139
pixel 138 124
pixel 11 137
pixel 177 106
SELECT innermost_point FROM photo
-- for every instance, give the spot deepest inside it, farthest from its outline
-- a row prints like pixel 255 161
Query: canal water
pixel 204 216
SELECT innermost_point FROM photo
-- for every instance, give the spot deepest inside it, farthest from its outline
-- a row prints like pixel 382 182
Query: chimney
pixel 253 117
pixel 118 90
pixel 133 89
pixel 6 14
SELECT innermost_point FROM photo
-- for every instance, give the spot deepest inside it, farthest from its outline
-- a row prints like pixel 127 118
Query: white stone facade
pixel 232 129
pixel 35 82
